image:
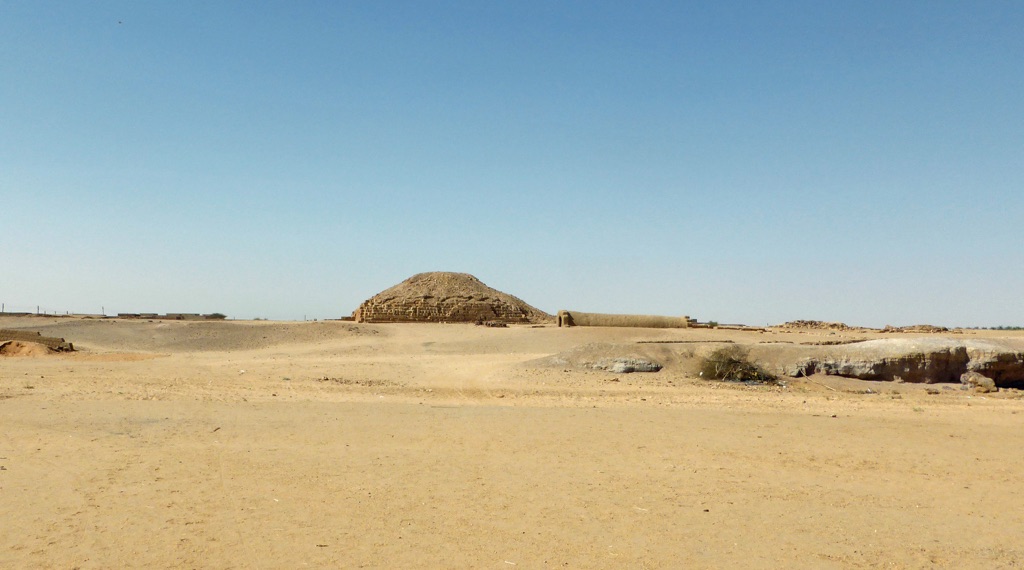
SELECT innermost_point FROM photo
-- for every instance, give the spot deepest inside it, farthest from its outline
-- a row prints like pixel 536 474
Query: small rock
pixel 931 391
pixel 627 365
pixel 980 383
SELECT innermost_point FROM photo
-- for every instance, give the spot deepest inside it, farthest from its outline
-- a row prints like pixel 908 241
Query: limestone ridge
pixel 444 297
pixel 919 359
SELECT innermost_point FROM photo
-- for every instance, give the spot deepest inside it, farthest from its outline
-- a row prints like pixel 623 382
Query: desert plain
pixel 332 444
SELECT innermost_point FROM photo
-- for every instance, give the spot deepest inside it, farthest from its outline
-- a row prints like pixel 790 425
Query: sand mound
pixel 442 297
pixel 24 348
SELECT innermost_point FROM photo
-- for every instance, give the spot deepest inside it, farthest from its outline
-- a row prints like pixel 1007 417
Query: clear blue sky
pixel 750 162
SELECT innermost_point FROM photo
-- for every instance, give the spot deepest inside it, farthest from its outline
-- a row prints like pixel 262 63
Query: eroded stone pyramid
pixel 444 297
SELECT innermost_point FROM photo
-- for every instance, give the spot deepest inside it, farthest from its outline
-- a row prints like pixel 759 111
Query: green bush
pixel 732 364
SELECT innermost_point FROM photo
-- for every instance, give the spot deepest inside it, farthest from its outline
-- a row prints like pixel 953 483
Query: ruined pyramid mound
pixel 443 297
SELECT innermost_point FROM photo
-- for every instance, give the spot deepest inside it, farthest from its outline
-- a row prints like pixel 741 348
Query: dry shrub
pixel 732 364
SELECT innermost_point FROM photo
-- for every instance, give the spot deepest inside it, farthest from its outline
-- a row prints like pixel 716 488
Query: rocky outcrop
pixel 918 360
pixel 995 360
pixel 443 297
pixel 978 382
pixel 626 365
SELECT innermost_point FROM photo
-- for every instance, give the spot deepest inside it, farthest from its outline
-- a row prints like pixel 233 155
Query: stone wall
pixel 578 319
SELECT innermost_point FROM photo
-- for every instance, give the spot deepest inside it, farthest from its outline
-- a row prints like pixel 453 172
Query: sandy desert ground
pixel 342 445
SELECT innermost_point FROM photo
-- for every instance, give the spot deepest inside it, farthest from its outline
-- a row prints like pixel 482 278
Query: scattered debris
pixel 817 325
pixel 366 383
pixel 915 329
pixel 492 324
